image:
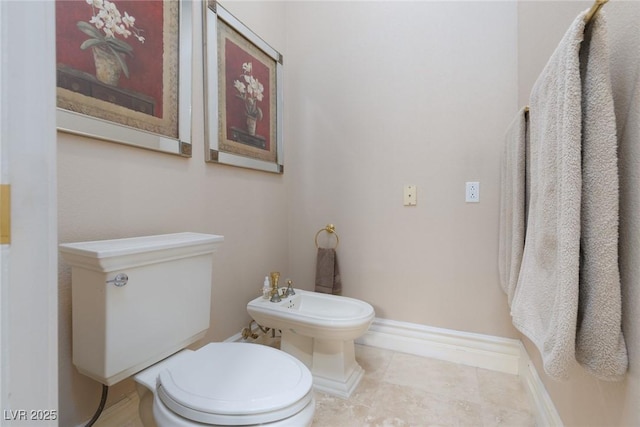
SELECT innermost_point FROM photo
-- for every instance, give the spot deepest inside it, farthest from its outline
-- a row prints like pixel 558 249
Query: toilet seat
pixel 236 384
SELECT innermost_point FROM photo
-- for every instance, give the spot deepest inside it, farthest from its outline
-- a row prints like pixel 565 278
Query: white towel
pixel 568 297
pixel 600 345
pixel 545 304
pixel 512 204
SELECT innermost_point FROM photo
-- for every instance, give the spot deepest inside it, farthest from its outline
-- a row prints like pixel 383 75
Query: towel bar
pixel 331 229
pixel 594 10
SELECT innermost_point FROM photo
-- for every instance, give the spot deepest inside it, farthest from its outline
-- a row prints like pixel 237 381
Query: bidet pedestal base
pixel 331 362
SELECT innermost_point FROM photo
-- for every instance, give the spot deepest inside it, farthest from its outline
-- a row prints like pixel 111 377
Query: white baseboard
pixel 120 413
pixel 236 338
pixel 482 351
pixel 264 339
pixel 544 410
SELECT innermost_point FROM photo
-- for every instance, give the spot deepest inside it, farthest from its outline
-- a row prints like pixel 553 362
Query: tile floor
pixel 404 390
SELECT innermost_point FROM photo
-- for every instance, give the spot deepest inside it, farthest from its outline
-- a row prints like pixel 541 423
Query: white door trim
pixel 29 282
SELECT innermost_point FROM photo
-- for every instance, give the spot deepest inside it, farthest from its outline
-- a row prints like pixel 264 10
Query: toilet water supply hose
pixel 103 400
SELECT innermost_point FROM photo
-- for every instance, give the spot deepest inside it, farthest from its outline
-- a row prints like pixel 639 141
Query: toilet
pixel 138 303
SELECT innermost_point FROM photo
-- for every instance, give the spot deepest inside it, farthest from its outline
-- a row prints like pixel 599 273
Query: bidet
pixel 319 330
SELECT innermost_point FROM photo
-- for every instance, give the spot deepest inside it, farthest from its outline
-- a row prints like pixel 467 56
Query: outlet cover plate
pixel 410 195
pixel 472 193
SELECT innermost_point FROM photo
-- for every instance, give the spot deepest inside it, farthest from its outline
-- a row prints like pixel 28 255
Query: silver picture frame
pixel 75 122
pixel 223 146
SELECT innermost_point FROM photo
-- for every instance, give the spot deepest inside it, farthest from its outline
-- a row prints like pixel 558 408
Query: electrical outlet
pixel 472 194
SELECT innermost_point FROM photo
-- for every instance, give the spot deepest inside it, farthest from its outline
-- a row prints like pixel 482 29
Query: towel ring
pixel 331 229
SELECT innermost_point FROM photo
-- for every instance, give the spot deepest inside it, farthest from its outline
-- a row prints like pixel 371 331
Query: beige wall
pixel 108 191
pixel 377 95
pixel 383 94
pixel 583 400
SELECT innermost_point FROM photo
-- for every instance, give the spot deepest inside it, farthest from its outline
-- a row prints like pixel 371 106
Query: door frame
pixel 29 262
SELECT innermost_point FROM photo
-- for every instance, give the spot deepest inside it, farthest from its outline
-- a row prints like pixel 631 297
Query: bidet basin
pixel 314 315
pixel 319 329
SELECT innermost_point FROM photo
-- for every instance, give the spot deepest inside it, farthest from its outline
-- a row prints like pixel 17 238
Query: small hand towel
pixel 512 204
pixel 545 304
pixel 327 274
pixel 600 344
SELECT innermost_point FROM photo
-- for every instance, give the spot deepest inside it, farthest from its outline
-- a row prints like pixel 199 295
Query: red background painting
pixel 235 56
pixel 146 65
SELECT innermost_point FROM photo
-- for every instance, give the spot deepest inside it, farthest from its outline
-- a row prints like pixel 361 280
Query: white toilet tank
pixel 163 307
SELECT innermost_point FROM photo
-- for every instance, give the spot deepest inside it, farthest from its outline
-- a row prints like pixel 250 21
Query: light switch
pixel 410 195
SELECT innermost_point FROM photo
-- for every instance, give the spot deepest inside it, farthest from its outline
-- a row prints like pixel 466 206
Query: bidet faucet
pixel 275 295
pixel 289 290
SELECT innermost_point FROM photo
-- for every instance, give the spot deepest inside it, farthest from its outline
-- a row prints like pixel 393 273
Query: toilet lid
pixel 235 384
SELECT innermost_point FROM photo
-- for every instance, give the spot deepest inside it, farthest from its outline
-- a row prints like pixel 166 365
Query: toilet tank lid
pixel 107 255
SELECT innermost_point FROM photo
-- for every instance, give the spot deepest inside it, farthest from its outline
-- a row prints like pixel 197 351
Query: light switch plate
pixel 410 195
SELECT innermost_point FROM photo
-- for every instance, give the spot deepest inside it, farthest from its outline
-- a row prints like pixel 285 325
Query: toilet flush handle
pixel 121 279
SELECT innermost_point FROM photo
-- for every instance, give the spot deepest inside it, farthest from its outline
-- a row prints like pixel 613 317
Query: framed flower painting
pixel 124 71
pixel 243 92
